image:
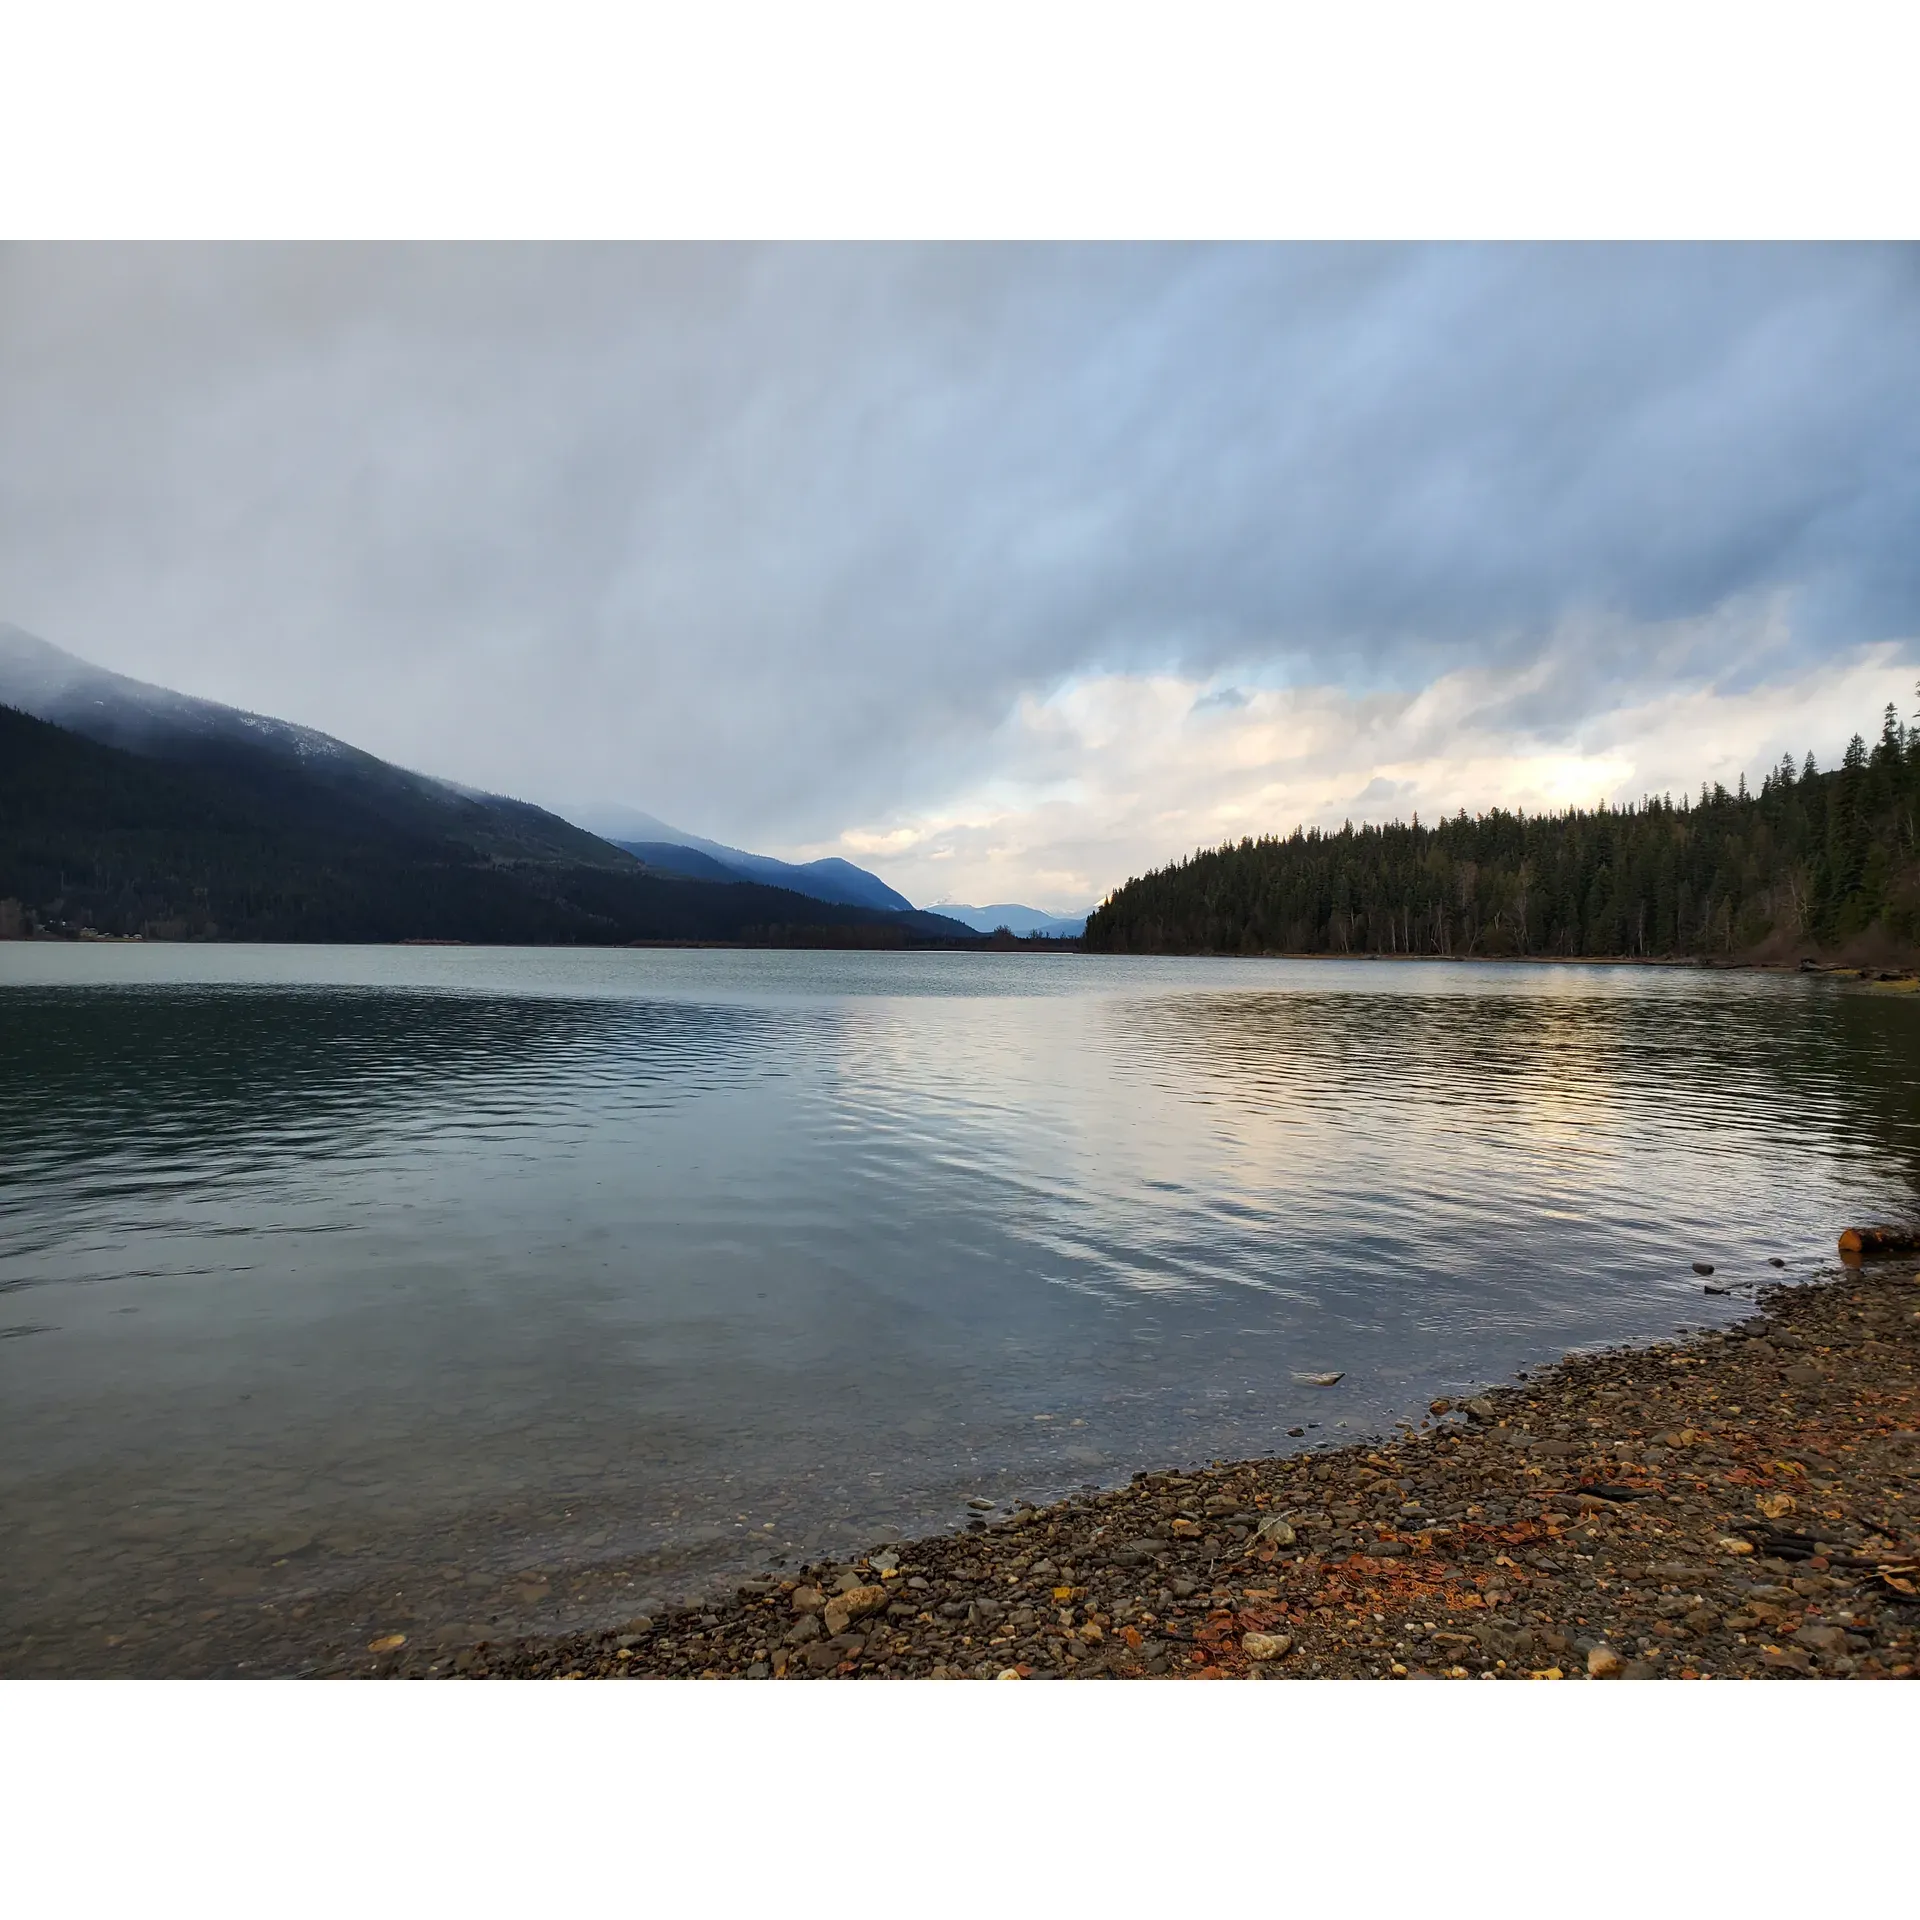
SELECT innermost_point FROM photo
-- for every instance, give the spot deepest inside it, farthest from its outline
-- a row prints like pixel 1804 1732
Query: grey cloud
pixel 1383 798
pixel 1223 700
pixel 768 540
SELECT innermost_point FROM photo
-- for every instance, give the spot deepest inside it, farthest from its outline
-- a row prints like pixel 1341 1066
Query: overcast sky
pixel 1006 572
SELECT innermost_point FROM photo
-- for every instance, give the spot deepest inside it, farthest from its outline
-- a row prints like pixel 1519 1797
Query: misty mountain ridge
pixel 155 722
pixel 140 717
pixel 651 839
pixel 670 856
pixel 1016 919
pixel 130 808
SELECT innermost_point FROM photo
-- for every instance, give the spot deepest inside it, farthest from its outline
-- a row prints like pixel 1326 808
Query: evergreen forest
pixel 1814 863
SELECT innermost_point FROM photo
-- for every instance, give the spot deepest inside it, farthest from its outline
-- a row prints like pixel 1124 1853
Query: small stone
pixel 1186 1529
pixel 1703 1266
pixel 1604 1664
pixel 983 1506
pixel 387 1643
pixel 806 1628
pixel 1265 1646
pixel 1318 1379
pixel 808 1600
pixel 1008 1673
pixel 1823 1639
pixel 857 1601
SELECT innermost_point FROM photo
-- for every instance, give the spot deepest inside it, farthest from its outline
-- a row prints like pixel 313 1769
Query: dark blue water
pixel 478 1290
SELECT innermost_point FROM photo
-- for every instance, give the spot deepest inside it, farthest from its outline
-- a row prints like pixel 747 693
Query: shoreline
pixel 1684 962
pixel 1742 1503
pixel 1904 971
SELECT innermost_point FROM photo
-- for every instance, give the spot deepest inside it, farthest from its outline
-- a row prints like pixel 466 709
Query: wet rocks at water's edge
pixel 1742 1505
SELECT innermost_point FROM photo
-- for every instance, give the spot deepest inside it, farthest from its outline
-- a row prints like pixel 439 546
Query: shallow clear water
pixel 455 1291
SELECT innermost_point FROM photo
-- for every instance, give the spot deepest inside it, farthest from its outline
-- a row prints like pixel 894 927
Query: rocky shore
pixel 1738 1505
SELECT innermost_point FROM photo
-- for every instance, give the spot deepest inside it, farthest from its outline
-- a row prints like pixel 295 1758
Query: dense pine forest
pixel 1813 863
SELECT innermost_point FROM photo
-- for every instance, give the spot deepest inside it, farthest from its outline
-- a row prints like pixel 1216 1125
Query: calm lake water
pixel 460 1292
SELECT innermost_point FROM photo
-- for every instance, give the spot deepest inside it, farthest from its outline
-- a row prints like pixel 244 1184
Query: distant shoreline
pixel 1042 943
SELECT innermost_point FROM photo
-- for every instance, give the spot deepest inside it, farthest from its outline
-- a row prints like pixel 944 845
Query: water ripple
pixel 437 1250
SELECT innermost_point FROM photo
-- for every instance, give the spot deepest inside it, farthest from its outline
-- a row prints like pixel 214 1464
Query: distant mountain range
pixel 675 851
pixel 127 808
pixel 1016 919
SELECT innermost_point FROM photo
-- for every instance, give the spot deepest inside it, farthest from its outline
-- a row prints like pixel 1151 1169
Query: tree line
pixel 1814 862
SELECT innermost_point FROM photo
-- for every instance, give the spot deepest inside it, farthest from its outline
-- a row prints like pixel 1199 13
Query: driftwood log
pixel 1864 1240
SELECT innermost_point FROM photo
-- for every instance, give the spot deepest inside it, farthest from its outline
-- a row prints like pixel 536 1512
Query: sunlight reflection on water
pixel 448 1264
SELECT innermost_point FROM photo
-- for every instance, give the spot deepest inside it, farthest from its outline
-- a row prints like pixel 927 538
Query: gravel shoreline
pixel 1740 1504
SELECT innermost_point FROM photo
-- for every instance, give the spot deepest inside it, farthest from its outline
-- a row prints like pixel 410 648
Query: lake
pixel 462 1292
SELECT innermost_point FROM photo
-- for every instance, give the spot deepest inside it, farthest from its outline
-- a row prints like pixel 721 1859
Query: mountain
pixel 308 772
pixel 127 808
pixel 829 879
pixel 1021 920
pixel 1814 863
pixel 669 856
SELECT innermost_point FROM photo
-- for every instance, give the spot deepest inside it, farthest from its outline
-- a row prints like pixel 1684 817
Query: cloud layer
pixel 1094 550
pixel 1117 773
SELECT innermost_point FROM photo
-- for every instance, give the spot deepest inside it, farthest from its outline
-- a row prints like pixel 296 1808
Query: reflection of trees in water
pixel 86 1072
pixel 1878 1068
pixel 1830 1069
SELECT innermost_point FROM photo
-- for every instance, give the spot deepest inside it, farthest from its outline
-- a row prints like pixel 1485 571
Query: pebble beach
pixel 1735 1505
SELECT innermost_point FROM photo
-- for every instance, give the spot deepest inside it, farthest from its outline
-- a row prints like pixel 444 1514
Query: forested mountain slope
pixel 1812 863
pixel 297 770
pixel 96 838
